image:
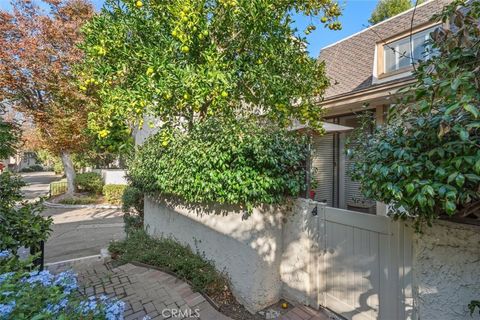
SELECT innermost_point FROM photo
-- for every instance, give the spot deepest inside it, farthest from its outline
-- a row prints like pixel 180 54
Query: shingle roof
pixel 349 62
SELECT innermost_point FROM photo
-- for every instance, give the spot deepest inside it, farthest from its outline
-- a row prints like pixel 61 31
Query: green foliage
pixel 58 167
pixel 474 304
pixel 132 198
pixel 191 60
pixel 79 200
pixel 426 161
pixel 42 295
pixel 20 225
pixel 132 207
pixel 245 163
pixel 113 193
pixel 171 256
pixel 89 182
pixel 33 168
pixel 9 137
pixel 389 8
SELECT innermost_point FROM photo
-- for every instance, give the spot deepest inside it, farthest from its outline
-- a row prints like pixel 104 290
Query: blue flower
pixel 114 310
pixel 45 278
pixel 67 280
pixel 6 309
pixel 89 306
pixel 5 276
pixel 4 254
pixel 55 308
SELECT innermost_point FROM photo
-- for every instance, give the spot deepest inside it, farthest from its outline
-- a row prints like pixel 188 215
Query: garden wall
pixel 112 176
pixel 274 253
pixel 446 271
pixel 249 250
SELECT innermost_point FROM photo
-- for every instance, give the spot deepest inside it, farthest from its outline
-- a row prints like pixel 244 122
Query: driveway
pixel 76 233
pixel 38 183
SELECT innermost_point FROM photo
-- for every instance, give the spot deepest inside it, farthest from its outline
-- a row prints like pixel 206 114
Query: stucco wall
pixel 112 176
pixel 300 249
pixel 248 250
pixel 446 270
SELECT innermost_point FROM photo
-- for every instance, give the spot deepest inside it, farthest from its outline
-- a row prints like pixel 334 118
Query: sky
pixel 355 18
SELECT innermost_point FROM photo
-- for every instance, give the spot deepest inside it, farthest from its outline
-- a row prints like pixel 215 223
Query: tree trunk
pixel 69 171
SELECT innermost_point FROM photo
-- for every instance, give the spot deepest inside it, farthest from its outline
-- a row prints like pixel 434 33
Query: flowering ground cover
pixel 43 295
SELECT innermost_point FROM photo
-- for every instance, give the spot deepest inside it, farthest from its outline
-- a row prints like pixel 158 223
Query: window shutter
pixel 322 167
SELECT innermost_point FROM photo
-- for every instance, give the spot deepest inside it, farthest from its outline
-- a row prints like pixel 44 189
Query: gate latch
pixel 315 211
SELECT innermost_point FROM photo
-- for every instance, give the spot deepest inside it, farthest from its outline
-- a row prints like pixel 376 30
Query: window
pixel 402 53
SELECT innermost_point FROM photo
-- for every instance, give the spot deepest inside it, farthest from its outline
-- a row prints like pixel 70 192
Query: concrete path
pixel 75 232
pixel 38 183
pixel 145 291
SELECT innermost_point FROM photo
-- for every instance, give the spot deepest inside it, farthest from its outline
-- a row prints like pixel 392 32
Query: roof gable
pixel 350 62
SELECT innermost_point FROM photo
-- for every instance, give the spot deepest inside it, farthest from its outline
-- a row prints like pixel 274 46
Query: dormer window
pixel 400 53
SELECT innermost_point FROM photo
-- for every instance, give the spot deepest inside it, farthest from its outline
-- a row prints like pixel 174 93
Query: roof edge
pixel 375 25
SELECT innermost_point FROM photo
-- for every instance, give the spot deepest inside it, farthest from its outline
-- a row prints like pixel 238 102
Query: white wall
pixel 249 250
pixel 112 176
pixel 274 254
pixel 299 254
pixel 446 271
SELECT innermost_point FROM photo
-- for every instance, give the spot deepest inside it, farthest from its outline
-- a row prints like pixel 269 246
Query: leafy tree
pixel 9 136
pixel 240 162
pixel 389 8
pixel 38 52
pixel 426 161
pixel 184 61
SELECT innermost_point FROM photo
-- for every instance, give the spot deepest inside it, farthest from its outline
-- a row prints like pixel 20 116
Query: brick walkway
pixel 305 313
pixel 156 294
pixel 145 292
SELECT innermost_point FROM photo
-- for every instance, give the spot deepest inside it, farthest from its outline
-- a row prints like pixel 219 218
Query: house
pixel 341 251
pixel 366 69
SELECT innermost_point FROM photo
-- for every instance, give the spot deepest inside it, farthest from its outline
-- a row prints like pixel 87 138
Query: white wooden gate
pixel 363 265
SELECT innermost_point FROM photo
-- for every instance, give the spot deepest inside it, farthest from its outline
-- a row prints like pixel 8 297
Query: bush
pixel 90 182
pixel 42 295
pixel 34 168
pixel 58 167
pixel 79 200
pixel 132 198
pixel 245 163
pixel 171 256
pixel 21 224
pixel 425 162
pixel 132 207
pixel 113 193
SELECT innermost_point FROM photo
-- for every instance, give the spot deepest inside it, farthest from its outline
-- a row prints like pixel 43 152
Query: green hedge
pixel 132 198
pixel 245 163
pixel 113 193
pixel 89 182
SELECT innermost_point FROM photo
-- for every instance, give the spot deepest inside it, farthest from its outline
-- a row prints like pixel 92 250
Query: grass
pixel 171 256
pixel 79 200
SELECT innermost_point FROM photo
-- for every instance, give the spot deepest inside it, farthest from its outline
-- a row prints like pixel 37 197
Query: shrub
pixel 21 224
pixel 79 200
pixel 113 193
pixel 42 295
pixel 58 167
pixel 132 198
pixel 171 256
pixel 34 168
pixel 90 182
pixel 245 163
pixel 132 207
pixel 425 163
